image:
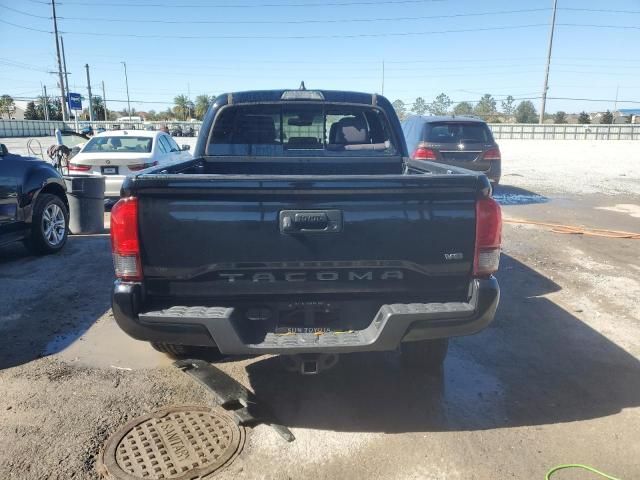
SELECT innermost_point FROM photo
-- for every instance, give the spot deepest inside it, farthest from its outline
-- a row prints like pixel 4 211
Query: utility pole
pixel 126 81
pixel 46 103
pixel 63 97
pixel 382 93
pixel 546 73
pixel 66 74
pixel 86 66
pixel 615 104
pixel 104 102
pixel 189 99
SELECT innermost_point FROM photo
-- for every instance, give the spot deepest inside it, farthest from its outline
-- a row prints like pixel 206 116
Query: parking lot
pixel 555 378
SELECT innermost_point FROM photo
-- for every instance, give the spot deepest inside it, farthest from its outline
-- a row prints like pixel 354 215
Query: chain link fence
pixel 511 131
pixel 527 131
pixel 44 128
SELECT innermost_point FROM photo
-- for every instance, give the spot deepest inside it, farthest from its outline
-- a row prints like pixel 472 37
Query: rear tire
pixel 425 355
pixel 49 225
pixel 188 351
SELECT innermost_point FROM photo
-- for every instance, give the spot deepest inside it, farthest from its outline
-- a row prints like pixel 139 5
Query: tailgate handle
pixel 310 221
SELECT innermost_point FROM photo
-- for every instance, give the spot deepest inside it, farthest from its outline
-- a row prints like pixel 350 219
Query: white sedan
pixel 117 153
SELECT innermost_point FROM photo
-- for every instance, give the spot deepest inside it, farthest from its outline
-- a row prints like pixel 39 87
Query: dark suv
pixel 464 142
pixel 33 203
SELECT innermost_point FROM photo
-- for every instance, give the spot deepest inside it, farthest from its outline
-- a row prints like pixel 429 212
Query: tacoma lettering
pixel 322 276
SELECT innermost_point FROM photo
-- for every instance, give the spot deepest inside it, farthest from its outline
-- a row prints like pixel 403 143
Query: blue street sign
pixel 75 101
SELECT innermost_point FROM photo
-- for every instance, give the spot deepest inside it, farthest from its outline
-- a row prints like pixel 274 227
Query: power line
pixel 321 21
pixel 312 36
pixel 25 66
pixel 609 100
pixel 375 61
pixel 346 20
pixel 622 27
pixel 405 100
pixel 252 61
pixel 328 36
pixel 25 28
pixel 305 21
pixel 25 13
pixel 598 10
pixel 259 5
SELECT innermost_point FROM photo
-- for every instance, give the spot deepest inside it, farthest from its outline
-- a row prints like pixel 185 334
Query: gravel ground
pixel 572 167
pixel 553 380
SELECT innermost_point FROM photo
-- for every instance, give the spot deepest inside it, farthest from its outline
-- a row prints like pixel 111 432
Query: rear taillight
pixel 74 167
pixel 492 154
pixel 124 239
pixel 424 153
pixel 141 166
pixel 488 237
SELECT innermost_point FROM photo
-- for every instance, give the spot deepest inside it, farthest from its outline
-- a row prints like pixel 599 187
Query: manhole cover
pixel 178 443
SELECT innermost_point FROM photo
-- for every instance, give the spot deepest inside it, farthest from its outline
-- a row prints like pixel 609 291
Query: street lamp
pixel 126 81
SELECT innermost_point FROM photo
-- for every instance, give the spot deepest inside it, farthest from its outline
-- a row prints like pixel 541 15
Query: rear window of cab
pixel 301 129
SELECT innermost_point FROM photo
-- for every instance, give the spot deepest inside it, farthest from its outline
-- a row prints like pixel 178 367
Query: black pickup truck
pixel 302 227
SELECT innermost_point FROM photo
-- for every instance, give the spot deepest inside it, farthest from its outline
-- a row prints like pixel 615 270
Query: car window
pixel 173 146
pixel 118 144
pixel 73 139
pixel 456 132
pixel 301 129
pixel 164 144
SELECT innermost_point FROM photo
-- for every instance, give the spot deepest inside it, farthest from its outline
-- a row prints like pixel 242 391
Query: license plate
pixel 293 330
pixel 109 170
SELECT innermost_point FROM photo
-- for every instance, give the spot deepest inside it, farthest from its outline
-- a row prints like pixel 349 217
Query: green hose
pixel 577 465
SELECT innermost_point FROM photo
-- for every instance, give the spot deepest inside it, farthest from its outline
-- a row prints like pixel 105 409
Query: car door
pixel 12 171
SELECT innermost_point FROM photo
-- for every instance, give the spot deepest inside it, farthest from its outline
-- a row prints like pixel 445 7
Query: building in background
pixel 634 113
pixel 17 113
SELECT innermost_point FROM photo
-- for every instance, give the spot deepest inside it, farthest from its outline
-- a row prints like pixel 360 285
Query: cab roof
pixel 443 118
pixel 337 96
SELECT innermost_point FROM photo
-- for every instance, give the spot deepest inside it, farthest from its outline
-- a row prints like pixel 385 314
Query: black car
pixel 176 131
pixel 33 203
pixel 188 131
pixel 464 142
pixel 87 130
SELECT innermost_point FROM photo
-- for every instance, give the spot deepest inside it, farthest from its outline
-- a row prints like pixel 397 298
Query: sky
pixel 459 47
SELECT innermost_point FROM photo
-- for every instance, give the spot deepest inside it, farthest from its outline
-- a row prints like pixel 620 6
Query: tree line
pixel 487 109
pixel 185 109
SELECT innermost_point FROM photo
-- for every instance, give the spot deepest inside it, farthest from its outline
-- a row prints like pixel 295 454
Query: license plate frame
pixel 109 170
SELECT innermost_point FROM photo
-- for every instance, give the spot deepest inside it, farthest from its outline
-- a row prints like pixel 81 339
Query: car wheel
pixel 49 225
pixel 425 355
pixel 188 351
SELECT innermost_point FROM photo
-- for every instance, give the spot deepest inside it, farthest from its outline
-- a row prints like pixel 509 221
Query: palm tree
pixel 202 105
pixel 6 105
pixel 181 107
pixel 98 108
pixel 40 106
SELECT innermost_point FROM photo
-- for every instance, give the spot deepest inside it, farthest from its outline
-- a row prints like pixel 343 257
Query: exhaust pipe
pixel 309 363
